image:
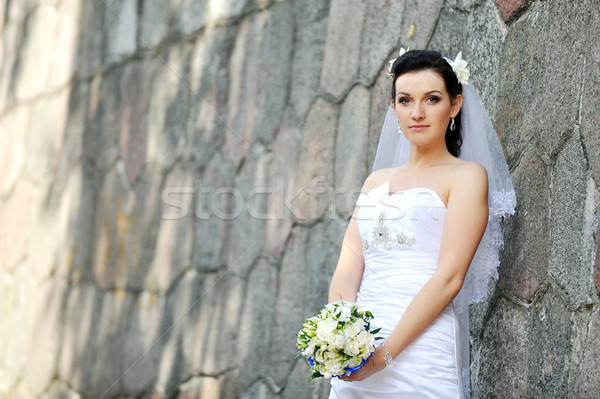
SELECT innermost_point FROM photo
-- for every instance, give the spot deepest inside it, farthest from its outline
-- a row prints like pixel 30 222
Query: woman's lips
pixel 418 128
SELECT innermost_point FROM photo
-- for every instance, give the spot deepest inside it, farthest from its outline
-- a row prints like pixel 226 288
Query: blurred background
pixel 176 177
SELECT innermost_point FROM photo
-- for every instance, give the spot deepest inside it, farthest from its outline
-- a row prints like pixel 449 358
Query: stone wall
pixel 176 177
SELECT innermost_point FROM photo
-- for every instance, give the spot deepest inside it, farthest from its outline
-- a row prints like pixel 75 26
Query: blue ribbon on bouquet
pixel 349 370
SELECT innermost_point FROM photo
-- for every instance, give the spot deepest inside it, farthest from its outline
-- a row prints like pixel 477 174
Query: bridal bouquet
pixel 338 341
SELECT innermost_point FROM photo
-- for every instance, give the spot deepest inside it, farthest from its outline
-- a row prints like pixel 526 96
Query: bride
pixel 416 229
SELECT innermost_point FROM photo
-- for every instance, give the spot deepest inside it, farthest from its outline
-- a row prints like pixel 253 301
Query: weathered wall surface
pixel 176 177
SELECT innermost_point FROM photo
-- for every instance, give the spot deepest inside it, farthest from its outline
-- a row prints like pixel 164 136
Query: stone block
pixel 526 256
pixel 380 36
pixel 91 46
pixel 275 70
pixel 587 384
pixel 322 255
pixel 314 177
pixel 169 107
pixel 173 251
pixel 209 85
pixel 201 388
pixel 281 185
pixel 520 67
pixel 221 10
pixel 290 295
pixel 17 327
pixel 65 43
pixel 258 390
pixel 116 202
pixel 60 390
pixel 549 346
pixel 78 351
pixel 487 33
pixel 218 322
pixel 120 21
pixel 189 16
pixel 48 119
pixel 568 263
pixel 342 48
pixel 298 384
pixel 248 223
pixel 177 333
pixel 510 9
pixel 14 231
pixel 499 361
pixel 154 22
pixel 244 88
pixel 557 125
pixel 143 343
pixel 79 200
pixel 253 339
pixel 597 267
pixel 135 103
pixel 418 24
pixel 100 138
pixel 590 93
pixel 12 148
pixel 19 10
pixel 35 52
pixel 309 46
pixel 215 205
pixel 450 34
pixel 47 312
pixel 108 341
pixel 144 227
pixel 9 54
pixel 351 149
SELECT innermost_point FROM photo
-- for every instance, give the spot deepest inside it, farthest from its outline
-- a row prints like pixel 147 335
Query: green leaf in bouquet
pixel 378 338
pixel 376 330
pixel 369 314
pixel 315 374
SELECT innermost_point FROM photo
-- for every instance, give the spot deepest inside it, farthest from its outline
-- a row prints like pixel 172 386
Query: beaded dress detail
pixel 401 234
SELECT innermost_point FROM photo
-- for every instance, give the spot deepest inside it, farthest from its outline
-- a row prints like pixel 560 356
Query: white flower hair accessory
pixel 402 51
pixel 459 66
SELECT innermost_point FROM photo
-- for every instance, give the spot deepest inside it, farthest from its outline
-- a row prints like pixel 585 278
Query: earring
pixel 452 125
pixel 399 131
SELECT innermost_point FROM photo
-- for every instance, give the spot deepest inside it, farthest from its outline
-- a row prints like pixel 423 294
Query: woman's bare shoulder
pixel 470 176
pixel 376 178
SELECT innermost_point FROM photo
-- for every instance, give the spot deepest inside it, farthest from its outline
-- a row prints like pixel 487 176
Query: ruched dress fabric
pixel 401 234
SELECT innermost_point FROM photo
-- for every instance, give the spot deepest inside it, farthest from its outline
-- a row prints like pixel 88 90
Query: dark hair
pixel 419 60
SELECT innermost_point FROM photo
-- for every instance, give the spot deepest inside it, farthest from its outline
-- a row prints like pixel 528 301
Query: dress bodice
pixel 405 224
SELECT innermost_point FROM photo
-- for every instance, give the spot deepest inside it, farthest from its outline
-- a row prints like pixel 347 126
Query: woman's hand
pixel 375 364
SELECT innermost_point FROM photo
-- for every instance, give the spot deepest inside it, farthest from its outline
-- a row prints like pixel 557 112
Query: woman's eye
pixel 403 100
pixel 433 99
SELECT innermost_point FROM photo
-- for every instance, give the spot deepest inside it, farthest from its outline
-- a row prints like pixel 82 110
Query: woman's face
pixel 423 106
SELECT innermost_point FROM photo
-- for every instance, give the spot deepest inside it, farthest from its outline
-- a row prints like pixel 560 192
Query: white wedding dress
pixel 401 236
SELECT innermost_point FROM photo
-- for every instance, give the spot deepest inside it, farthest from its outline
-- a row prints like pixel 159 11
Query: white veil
pixel 480 144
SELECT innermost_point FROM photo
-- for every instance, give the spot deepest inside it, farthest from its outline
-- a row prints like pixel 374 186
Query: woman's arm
pixel 465 223
pixel 351 264
pixel 348 272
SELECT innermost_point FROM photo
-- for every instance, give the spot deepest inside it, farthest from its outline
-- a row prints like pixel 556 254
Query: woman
pixel 413 234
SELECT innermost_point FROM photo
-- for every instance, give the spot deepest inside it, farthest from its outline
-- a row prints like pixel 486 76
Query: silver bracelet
pixel 389 361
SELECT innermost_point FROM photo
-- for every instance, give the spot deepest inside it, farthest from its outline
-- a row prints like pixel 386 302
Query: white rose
pixel 345 316
pixel 325 328
pixel 352 348
pixel 361 338
pixel 350 330
pixel 339 341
